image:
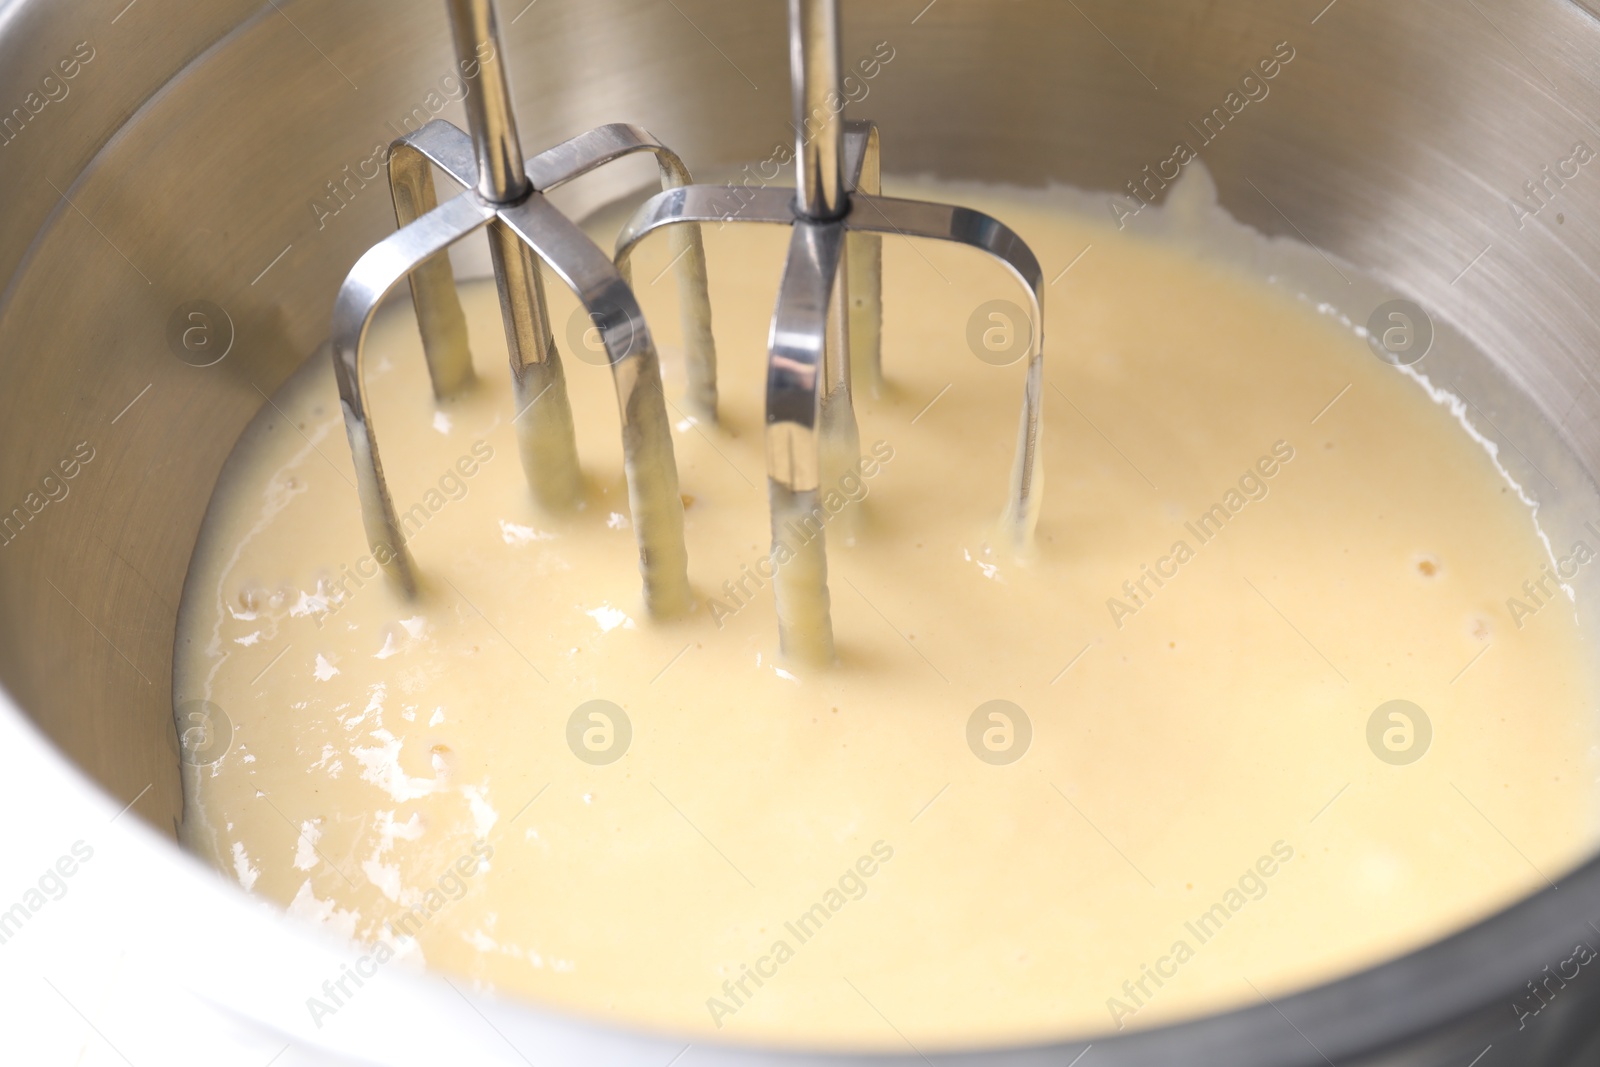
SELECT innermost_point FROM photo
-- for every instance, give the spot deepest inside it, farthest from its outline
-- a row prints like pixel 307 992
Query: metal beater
pixel 507 195
pixel 811 434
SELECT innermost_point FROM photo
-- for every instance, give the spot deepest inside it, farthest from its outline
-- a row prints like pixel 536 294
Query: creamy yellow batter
pixel 1222 594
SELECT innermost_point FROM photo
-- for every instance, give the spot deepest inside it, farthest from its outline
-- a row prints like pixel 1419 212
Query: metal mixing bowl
pixel 180 162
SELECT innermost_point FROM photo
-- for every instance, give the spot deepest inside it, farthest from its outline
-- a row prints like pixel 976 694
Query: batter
pixel 1128 780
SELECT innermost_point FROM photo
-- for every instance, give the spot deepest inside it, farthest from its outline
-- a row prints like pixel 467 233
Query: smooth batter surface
pixel 1198 801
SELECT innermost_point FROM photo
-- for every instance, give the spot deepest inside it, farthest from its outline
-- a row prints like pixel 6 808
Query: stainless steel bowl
pixel 185 156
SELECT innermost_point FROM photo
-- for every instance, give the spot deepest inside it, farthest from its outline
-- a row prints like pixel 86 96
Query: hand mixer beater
pixel 833 269
pixel 839 220
pixel 506 194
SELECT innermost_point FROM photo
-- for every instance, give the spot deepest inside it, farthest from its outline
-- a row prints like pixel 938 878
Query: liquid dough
pixel 801 856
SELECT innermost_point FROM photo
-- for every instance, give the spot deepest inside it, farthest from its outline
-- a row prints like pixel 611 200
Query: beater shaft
pixel 546 438
pixel 814 75
pixel 501 175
